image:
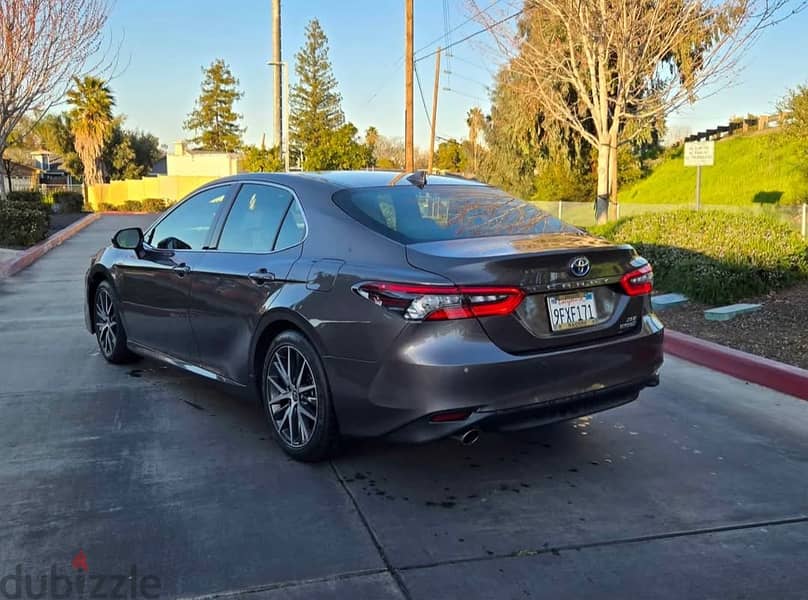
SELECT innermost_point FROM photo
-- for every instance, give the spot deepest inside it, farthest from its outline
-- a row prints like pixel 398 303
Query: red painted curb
pixel 742 365
pixel 34 253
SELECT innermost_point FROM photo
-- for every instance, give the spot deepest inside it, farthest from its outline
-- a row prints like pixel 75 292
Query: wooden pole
pixel 409 153
pixel 434 110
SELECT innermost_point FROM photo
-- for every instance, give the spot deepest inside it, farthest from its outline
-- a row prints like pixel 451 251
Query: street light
pixel 284 66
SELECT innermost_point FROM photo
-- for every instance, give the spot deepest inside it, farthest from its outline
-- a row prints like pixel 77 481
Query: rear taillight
pixel 639 281
pixel 439 303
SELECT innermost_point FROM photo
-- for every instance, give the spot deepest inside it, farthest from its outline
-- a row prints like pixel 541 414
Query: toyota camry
pixel 380 304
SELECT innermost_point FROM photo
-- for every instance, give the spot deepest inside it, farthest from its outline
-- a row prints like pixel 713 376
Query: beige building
pixel 196 162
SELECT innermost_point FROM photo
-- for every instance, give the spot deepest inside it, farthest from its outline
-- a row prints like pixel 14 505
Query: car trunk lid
pixel 541 265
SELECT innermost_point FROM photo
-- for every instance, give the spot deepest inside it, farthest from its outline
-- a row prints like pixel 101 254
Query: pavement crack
pixel 556 550
pixel 282 585
pixel 394 573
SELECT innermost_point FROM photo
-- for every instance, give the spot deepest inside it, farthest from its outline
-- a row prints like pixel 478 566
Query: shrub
pixel 29 200
pixel 32 196
pixel 69 202
pixel 108 207
pixel 154 205
pixel 132 206
pixel 712 256
pixel 22 223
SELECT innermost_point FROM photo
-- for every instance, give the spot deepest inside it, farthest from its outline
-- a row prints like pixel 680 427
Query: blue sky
pixel 165 45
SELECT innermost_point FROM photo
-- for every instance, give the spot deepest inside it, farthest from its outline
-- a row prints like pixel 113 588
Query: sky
pixel 163 46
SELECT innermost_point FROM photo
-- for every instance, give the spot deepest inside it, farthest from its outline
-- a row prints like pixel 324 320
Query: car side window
pixel 255 218
pixel 293 229
pixel 187 226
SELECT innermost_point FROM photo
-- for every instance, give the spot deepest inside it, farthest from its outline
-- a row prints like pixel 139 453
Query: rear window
pixel 409 215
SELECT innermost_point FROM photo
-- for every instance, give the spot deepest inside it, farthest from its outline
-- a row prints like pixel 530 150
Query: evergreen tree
pixel 315 101
pixel 213 119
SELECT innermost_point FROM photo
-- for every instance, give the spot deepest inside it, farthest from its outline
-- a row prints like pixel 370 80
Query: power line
pixel 446 33
pixel 472 96
pixel 476 33
pixel 423 100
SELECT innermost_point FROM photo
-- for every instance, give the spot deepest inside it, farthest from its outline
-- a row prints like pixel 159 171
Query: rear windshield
pixel 447 212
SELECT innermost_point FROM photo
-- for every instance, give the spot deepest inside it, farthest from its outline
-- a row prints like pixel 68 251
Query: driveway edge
pixel 34 253
pixel 741 365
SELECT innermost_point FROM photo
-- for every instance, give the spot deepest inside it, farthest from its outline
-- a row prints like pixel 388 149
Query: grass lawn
pixel 749 169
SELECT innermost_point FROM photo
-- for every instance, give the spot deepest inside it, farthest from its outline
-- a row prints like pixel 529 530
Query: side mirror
pixel 130 238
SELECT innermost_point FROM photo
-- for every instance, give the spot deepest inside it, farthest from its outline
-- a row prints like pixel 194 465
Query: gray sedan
pixel 380 304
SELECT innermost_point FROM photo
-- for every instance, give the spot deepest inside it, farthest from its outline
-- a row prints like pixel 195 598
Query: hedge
pixel 154 205
pixel 712 256
pixel 22 223
pixel 69 202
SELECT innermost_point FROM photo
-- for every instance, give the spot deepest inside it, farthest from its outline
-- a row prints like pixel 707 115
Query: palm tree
pixel 476 121
pixel 91 121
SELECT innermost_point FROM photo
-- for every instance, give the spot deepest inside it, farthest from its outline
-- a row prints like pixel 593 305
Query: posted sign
pixel 699 154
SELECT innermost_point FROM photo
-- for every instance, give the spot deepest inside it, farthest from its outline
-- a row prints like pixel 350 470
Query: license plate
pixel 572 311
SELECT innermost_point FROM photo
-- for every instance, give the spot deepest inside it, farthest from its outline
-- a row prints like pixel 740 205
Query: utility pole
pixel 278 74
pixel 434 110
pixel 409 163
pixel 283 67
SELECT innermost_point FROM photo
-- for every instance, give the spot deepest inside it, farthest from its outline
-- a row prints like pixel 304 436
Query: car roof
pixel 350 179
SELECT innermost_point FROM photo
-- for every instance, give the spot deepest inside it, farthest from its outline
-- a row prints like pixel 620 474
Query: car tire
pixel 298 406
pixel 109 330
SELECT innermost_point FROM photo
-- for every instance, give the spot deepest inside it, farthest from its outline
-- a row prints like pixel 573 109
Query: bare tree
pixel 608 68
pixel 43 43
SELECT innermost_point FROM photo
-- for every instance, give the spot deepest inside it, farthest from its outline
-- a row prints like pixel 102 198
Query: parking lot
pixel 699 489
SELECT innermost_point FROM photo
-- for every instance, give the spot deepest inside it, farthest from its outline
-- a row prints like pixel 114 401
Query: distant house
pixel 18 176
pixel 198 162
pixel 50 168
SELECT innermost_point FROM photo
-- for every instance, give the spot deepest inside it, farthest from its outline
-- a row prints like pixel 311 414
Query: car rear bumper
pixel 455 367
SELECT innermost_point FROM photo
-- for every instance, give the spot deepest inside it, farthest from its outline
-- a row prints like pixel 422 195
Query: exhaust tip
pixel 468 437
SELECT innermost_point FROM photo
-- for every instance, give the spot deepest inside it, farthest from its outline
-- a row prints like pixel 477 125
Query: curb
pixel 741 365
pixel 32 254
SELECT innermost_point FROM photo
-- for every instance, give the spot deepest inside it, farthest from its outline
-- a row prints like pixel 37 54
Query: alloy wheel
pixel 106 322
pixel 292 396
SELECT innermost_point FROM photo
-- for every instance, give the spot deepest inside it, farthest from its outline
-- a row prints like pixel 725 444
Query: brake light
pixel 440 303
pixel 638 282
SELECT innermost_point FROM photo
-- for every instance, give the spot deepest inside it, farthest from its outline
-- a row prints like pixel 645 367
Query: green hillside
pixel 758 168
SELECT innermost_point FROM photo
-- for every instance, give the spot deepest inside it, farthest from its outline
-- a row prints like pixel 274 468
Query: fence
pixel 742 124
pixel 582 214
pixel 167 187
pixel 23 184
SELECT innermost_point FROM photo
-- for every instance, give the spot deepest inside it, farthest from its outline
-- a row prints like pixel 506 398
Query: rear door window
pixel 255 218
pixel 411 215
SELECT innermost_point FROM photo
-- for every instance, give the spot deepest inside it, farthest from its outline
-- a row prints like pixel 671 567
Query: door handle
pixel 261 277
pixel 181 269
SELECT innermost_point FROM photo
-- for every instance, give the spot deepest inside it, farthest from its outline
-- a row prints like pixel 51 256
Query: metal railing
pixel 582 214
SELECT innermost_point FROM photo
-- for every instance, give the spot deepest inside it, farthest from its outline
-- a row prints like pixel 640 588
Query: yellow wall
pixel 218 164
pixel 168 187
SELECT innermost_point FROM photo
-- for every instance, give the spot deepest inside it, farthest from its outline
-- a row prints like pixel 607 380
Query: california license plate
pixel 572 311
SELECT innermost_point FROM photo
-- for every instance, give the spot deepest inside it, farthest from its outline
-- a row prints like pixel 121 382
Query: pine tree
pixel 315 101
pixel 213 119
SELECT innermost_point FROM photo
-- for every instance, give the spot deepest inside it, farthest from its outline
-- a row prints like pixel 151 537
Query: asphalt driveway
pixel 698 490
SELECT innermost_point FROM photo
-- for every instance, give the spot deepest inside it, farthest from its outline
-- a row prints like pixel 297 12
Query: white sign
pixel 699 154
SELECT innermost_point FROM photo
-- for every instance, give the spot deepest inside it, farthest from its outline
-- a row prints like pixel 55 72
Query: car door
pixel 242 274
pixel 155 285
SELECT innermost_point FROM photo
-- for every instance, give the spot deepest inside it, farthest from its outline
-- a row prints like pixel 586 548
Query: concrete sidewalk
pixel 698 490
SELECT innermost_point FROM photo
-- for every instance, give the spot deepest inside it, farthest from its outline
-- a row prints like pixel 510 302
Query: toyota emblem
pixel 579 266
